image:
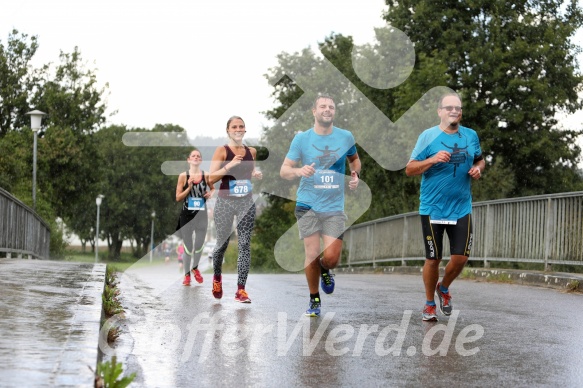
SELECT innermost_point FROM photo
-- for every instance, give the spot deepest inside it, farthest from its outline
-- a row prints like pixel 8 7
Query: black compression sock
pixel 314 296
pixel 322 269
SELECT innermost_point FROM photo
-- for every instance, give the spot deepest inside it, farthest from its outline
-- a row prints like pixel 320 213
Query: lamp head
pixel 35 119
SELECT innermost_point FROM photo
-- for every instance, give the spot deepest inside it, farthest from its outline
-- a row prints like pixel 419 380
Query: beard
pixel 454 122
pixel 325 121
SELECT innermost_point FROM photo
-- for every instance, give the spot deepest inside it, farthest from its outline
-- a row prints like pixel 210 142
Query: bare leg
pixel 332 252
pixel 311 264
pixel 430 277
pixel 453 269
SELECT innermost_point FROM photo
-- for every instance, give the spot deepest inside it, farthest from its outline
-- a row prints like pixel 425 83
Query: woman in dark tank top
pixel 193 189
pixel 234 165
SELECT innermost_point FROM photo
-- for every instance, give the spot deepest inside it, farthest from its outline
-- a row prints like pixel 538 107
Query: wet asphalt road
pixel 370 334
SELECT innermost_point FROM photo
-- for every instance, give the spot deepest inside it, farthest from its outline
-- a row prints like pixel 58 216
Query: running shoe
pixel 327 282
pixel 429 313
pixel 242 297
pixel 217 289
pixel 445 305
pixel 197 275
pixel 314 308
pixel 186 281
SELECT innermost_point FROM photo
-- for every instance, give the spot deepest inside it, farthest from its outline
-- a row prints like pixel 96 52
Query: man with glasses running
pixel 448 156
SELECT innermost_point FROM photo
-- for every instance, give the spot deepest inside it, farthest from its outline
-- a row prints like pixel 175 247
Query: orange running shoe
pixel 241 296
pixel 217 289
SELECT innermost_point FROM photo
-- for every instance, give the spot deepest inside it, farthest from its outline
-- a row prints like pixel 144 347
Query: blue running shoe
pixel 327 282
pixel 314 309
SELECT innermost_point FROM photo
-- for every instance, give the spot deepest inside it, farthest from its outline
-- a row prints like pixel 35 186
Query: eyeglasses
pixel 449 108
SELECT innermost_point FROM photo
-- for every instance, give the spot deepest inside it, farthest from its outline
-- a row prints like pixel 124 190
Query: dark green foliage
pixel 274 221
pixel 66 173
pixel 18 80
pixel 134 186
pixel 513 64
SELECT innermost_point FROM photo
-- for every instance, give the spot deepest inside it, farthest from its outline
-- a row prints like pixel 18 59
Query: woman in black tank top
pixel 234 165
pixel 193 189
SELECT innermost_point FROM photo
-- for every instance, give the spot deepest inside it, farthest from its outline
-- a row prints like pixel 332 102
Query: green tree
pixel 67 162
pixel 293 113
pixel 15 159
pixel 502 58
pixel 68 92
pixel 16 177
pixel 71 96
pixel 18 80
pixel 134 186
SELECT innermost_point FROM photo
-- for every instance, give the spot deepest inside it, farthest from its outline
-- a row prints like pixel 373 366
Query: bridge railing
pixel 545 229
pixel 22 232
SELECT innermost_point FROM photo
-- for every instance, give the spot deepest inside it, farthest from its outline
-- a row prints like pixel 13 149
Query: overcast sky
pixel 185 62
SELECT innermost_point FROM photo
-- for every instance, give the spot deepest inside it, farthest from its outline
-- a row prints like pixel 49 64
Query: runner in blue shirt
pixel 448 156
pixel 318 156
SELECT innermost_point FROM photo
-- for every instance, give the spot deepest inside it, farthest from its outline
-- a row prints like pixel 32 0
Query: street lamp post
pixel 98 203
pixel 152 236
pixel 35 121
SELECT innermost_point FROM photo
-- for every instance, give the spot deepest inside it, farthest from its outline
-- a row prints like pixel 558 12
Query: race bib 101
pixel 327 179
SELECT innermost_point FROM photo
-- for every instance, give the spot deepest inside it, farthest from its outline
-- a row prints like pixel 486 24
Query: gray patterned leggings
pixel 225 211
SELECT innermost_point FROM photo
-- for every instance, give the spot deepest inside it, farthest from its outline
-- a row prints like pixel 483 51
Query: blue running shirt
pixel 324 191
pixel 446 187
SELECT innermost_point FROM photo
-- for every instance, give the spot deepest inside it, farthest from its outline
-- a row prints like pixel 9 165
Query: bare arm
pixel 476 170
pixel 255 173
pixel 418 167
pixel 289 170
pixel 217 172
pixel 209 193
pixel 181 194
pixel 355 167
pixel 354 164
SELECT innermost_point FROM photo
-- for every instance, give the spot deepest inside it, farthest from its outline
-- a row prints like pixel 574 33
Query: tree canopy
pixel 514 64
pixel 78 157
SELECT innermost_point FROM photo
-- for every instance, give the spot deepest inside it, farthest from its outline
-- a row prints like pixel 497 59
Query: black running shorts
pixel 460 237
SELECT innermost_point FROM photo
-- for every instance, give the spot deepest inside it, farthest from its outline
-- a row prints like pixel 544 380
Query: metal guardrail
pixel 22 232
pixel 545 229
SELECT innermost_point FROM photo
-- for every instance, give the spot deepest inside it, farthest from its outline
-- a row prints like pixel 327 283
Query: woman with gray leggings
pixel 193 190
pixel 234 165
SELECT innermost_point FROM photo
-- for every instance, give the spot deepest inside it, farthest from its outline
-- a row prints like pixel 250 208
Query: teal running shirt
pixel 324 191
pixel 446 187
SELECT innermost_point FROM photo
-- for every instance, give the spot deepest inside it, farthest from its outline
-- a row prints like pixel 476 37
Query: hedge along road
pixel 370 333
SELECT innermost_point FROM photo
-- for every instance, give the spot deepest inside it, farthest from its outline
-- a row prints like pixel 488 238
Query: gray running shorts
pixel 330 224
